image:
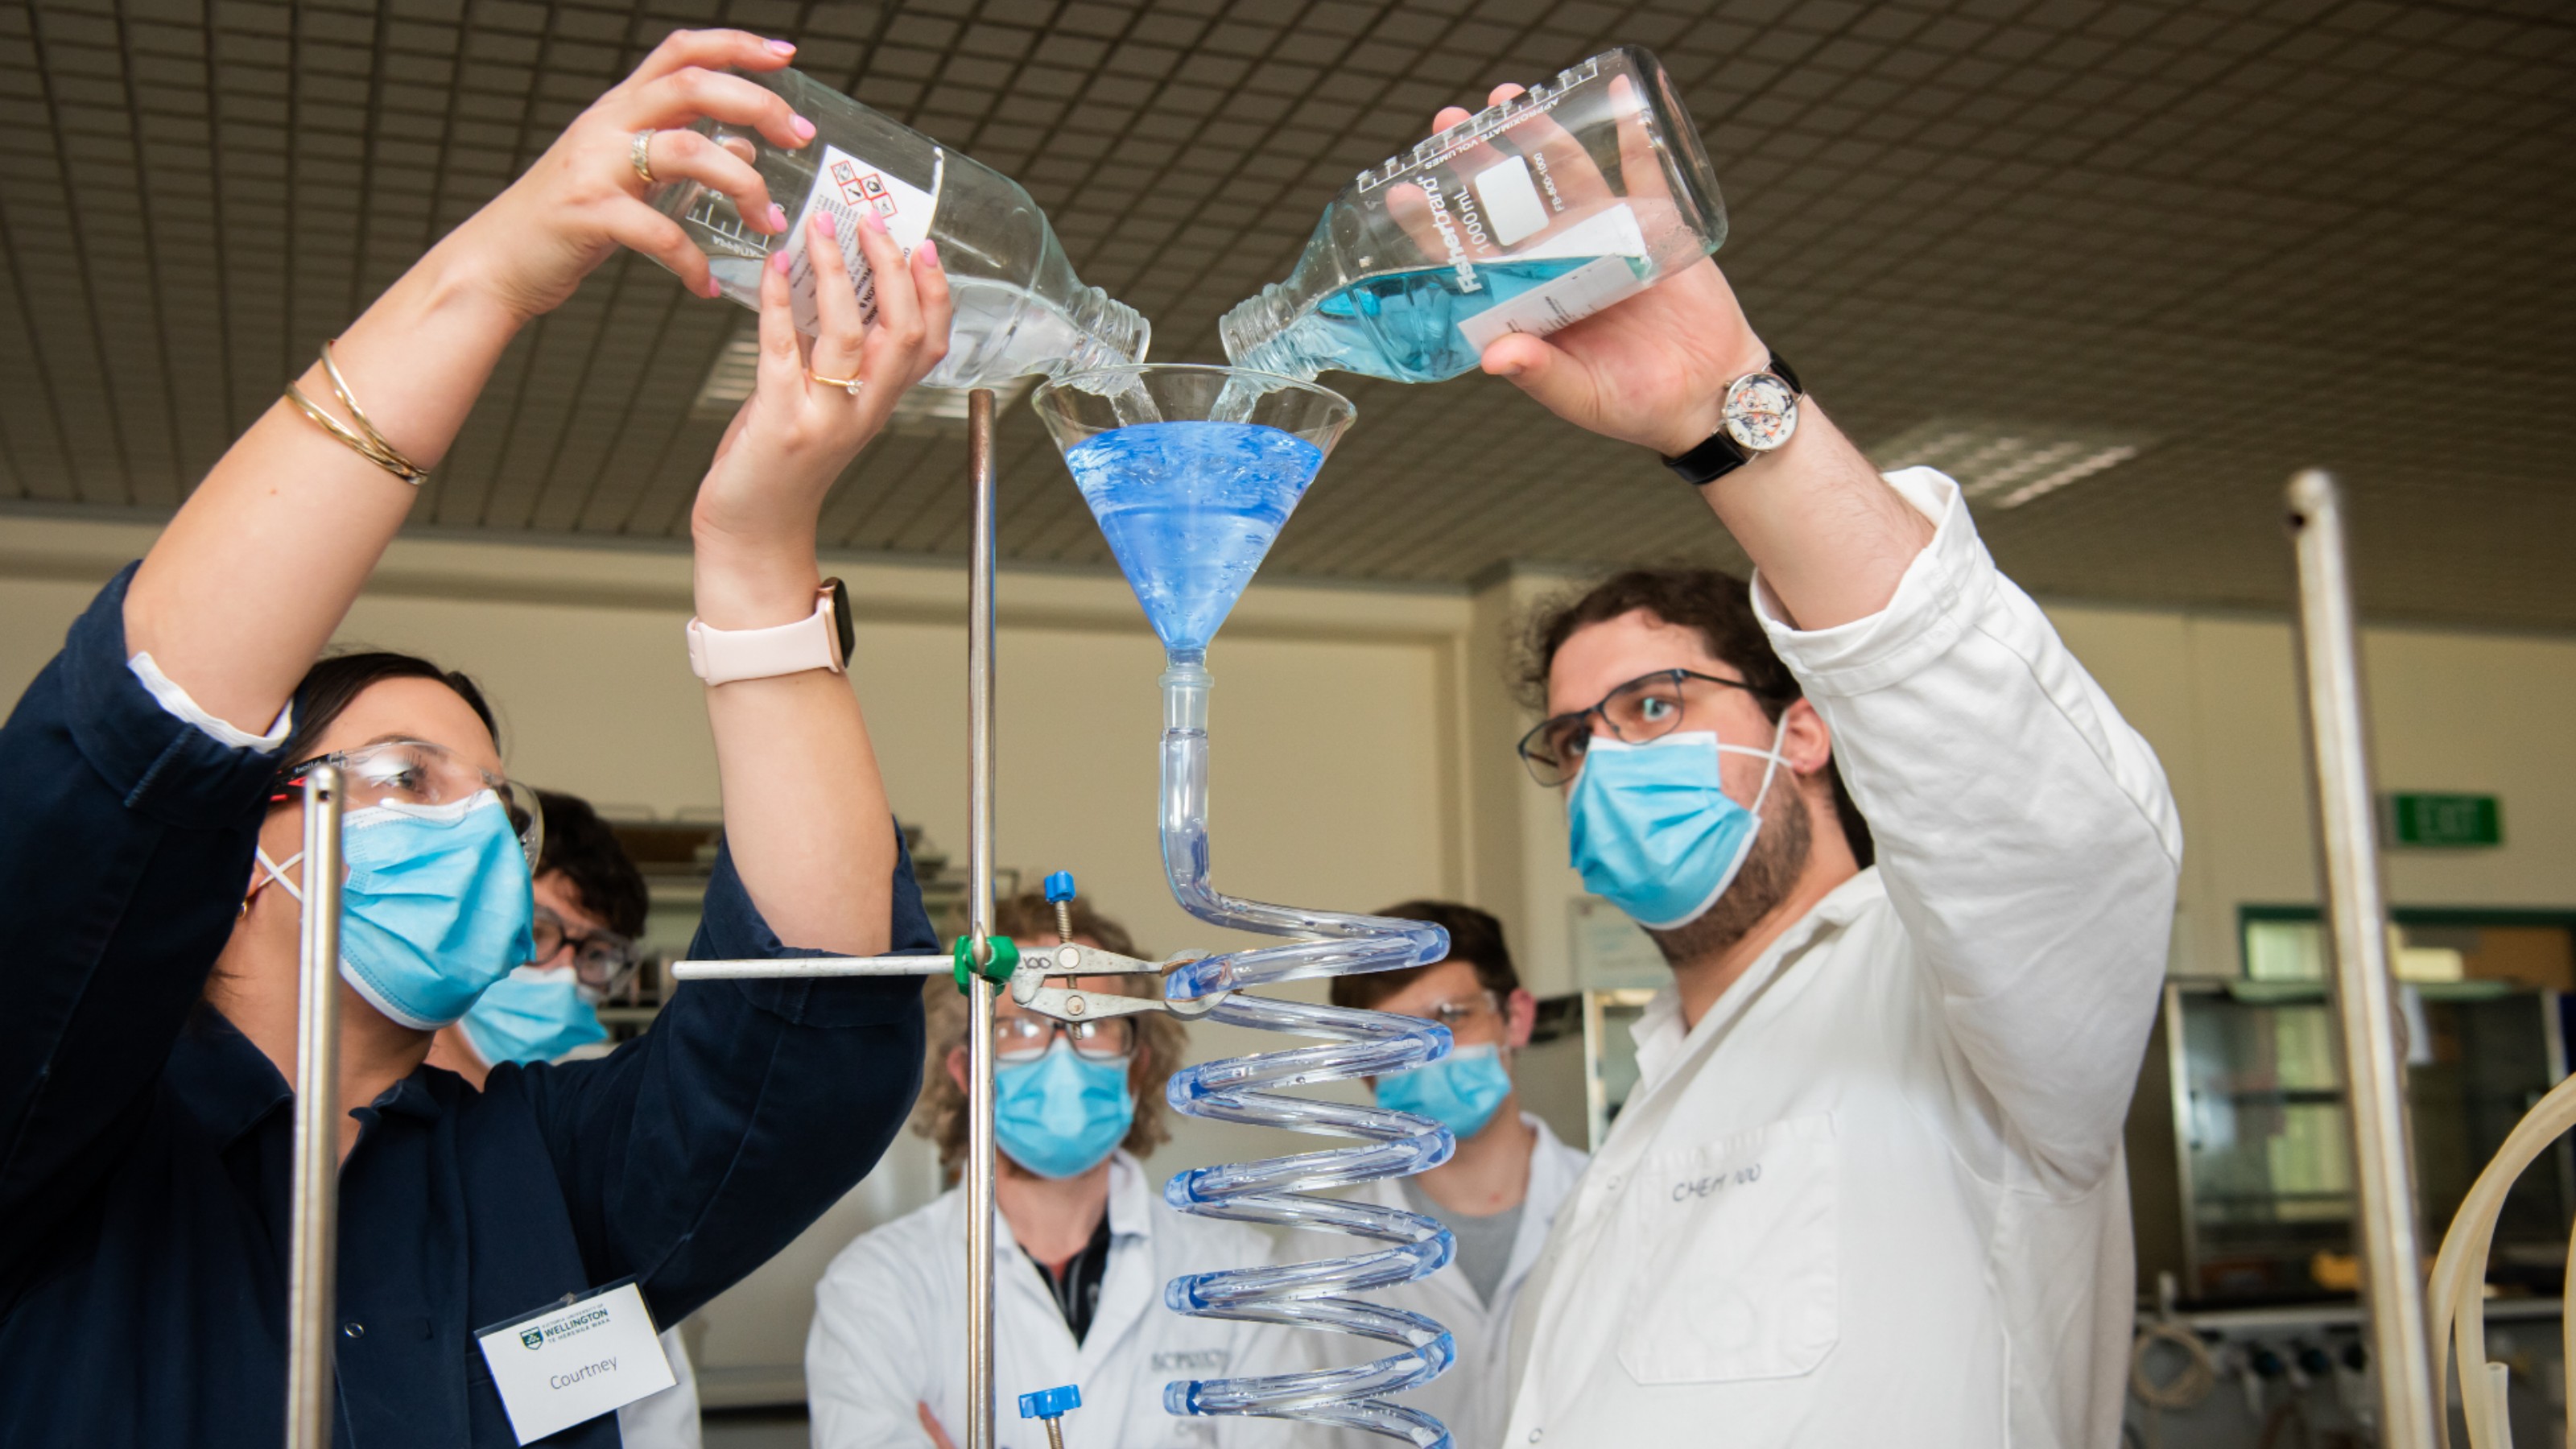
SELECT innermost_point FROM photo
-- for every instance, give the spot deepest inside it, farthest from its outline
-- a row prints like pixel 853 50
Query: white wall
pixel 1362 742
pixel 1363 735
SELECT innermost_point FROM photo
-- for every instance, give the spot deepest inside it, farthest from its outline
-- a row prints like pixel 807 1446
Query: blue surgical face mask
pixel 1060 1115
pixel 436 906
pixel 1460 1091
pixel 532 1015
pixel 1652 830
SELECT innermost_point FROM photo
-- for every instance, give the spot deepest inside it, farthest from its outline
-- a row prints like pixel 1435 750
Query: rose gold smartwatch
pixel 821 640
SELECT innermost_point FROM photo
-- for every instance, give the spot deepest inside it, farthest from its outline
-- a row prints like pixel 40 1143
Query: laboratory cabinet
pixel 2239 1154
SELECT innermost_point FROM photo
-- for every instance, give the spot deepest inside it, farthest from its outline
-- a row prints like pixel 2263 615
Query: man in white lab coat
pixel 1497 1195
pixel 1083 1248
pixel 1868 1188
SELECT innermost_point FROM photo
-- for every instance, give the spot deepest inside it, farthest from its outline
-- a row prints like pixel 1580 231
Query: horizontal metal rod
pixel 813 967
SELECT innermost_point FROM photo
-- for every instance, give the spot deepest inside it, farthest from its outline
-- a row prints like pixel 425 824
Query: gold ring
pixel 850 385
pixel 639 154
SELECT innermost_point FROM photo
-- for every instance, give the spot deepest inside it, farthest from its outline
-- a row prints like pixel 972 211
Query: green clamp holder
pixel 1006 959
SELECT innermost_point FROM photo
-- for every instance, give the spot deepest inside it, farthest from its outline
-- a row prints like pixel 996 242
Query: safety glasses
pixel 1019 1039
pixel 416 772
pixel 1645 708
pixel 601 960
pixel 1469 1018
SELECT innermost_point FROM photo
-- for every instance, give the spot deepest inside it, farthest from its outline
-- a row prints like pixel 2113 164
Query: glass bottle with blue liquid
pixel 1530 215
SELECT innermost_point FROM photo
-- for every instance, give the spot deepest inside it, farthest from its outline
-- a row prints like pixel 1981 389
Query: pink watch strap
pixel 721 656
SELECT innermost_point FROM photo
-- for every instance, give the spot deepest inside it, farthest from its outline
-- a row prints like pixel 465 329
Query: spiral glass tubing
pixel 1284 1191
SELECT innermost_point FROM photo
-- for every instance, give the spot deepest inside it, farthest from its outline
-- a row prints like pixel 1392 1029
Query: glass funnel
pixel 1190 470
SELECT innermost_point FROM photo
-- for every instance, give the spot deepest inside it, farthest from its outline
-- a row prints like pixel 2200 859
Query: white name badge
pixel 575 1361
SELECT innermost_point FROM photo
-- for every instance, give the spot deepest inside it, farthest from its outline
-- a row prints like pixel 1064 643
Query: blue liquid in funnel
pixel 1190 509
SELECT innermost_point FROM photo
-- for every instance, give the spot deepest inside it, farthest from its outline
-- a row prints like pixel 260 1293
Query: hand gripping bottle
pixel 1019 307
pixel 1535 213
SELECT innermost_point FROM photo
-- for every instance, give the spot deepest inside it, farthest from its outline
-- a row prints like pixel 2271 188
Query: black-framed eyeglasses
pixel 601 960
pixel 1647 707
pixel 1019 1039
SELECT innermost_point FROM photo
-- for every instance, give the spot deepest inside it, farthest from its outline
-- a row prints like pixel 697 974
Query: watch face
pixel 1761 411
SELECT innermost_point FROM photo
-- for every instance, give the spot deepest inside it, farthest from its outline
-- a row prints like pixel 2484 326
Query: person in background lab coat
pixel 1868 1188
pixel 1498 1194
pixel 1085 1247
pixel 590 906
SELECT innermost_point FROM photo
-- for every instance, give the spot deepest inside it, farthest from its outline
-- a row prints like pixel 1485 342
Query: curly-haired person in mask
pixel 1086 1245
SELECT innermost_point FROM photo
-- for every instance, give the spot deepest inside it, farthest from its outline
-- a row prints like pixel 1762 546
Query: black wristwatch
pixel 1761 414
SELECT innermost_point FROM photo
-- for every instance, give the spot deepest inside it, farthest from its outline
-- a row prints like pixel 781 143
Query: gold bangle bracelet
pixel 367 443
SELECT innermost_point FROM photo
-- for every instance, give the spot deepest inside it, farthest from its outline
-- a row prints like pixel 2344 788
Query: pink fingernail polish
pixel 777 217
pixel 714 288
pixel 823 224
pixel 803 128
pixel 778 262
pixel 928 251
pixel 875 222
pixel 783 47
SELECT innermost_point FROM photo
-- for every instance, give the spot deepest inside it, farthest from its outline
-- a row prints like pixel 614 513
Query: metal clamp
pixel 1072 958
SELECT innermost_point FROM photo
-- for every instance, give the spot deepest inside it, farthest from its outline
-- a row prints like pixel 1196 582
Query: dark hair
pixel 1475 937
pixel 585 850
pixel 1719 606
pixel 329 686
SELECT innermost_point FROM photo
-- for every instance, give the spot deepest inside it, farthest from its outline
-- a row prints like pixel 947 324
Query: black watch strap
pixel 1720 454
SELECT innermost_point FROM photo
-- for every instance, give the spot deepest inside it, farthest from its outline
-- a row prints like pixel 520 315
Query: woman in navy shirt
pixel 148 875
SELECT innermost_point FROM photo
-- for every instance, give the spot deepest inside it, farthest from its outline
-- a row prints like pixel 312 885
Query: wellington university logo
pixel 579 1321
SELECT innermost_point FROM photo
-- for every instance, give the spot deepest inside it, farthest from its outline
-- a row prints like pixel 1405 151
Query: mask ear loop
pixel 1770 771
pixel 271 870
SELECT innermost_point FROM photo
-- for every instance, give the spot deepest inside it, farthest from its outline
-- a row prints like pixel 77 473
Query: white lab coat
pixel 1473 1397
pixel 1876 1195
pixel 669 1419
pixel 890 1328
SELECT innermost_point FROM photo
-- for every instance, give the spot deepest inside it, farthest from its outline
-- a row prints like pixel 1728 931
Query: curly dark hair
pixel 1716 604
pixel 603 878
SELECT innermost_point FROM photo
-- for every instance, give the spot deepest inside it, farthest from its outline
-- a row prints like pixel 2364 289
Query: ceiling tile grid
pixel 2259 233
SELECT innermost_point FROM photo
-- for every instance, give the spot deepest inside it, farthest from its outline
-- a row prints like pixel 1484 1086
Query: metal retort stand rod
pixel 979 927
pixel 313 1249
pixel 2392 1250
pixel 976 953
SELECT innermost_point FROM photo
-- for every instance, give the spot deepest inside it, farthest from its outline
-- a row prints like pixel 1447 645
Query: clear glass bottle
pixel 1582 192
pixel 1019 307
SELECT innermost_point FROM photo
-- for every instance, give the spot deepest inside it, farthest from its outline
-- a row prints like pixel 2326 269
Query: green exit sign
pixel 2444 821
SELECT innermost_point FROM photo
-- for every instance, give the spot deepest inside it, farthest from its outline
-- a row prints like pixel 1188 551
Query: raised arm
pixel 2025 832
pixel 1829 537
pixel 804 809
pixel 246 585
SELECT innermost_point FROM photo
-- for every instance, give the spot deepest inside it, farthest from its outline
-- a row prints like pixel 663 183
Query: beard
pixel 1770 871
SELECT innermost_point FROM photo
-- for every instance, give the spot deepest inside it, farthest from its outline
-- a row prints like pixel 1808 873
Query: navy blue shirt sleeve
pixel 125 845
pixel 692 1155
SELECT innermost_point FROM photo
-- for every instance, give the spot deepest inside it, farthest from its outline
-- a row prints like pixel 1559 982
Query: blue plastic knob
pixel 1059 886
pixel 1051 1403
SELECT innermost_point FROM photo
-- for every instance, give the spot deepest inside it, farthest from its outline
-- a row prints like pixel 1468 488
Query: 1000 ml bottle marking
pixel 1534 101
pixel 1458 261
